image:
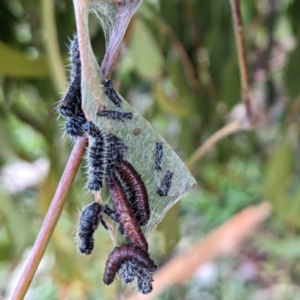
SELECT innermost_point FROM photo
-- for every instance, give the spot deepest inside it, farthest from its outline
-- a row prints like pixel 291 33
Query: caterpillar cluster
pixel 70 106
pixel 107 167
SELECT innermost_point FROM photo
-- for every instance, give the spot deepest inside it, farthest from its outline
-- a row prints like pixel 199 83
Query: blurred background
pixel 178 68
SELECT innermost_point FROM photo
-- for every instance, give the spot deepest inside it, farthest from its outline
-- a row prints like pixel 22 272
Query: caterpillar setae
pixel 98 156
pixel 129 270
pixel 165 184
pixel 122 254
pixel 71 104
pixel 111 93
pixel 117 149
pixel 89 221
pixel 139 192
pixel 127 218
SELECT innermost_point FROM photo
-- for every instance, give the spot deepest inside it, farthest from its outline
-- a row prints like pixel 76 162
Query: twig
pixel 217 136
pixel 124 14
pixel 241 49
pixel 223 240
pixel 52 48
pixel 50 219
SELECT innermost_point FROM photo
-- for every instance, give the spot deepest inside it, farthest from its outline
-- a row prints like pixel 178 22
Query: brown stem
pixel 217 136
pixel 241 49
pixel 50 219
pixel 223 240
pixel 124 14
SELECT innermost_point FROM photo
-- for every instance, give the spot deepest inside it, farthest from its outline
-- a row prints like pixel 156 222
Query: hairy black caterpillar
pixel 139 192
pixel 117 148
pixel 123 253
pixel 98 156
pixel 89 221
pixel 165 184
pixel 129 270
pixel 127 218
pixel 111 93
pixel 71 104
pixel 74 126
pixel 115 115
pixel 159 155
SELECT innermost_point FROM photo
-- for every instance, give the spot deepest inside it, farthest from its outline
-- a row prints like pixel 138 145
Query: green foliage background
pixel 180 72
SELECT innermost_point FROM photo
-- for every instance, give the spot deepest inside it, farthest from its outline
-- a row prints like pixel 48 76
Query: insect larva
pixel 115 115
pixel 75 58
pixel 118 148
pixel 127 219
pixel 165 184
pixel 111 93
pixel 71 104
pixel 74 126
pixel 129 269
pixel 89 221
pixel 123 253
pixel 140 196
pixel 159 155
pixel 98 156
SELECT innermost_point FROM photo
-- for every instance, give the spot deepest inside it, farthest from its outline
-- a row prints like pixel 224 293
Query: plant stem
pixel 51 42
pixel 217 136
pixel 51 219
pixel 241 49
pixel 125 11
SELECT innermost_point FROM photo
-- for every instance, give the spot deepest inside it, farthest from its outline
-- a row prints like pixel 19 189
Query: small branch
pixel 51 219
pixel 51 42
pixel 223 240
pixel 241 49
pixel 125 11
pixel 217 136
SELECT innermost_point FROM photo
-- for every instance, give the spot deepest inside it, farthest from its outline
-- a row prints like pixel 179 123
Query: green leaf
pixel 140 138
pixel 146 55
pixel 14 63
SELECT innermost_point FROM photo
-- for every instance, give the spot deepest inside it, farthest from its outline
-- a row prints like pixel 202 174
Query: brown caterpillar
pixel 123 253
pixel 127 218
pixel 139 192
